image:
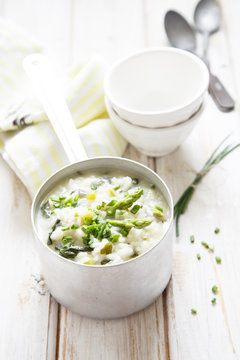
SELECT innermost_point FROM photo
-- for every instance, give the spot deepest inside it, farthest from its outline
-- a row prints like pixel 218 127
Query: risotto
pixel 102 219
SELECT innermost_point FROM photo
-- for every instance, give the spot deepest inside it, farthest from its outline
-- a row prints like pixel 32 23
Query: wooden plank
pixel 47 22
pixel 24 300
pixel 28 314
pixel 120 30
pixel 115 339
pixel 212 333
pixel 110 29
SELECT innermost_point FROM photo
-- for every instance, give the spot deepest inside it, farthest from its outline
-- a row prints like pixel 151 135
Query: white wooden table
pixel 33 325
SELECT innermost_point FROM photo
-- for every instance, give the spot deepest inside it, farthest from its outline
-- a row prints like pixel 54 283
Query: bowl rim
pixel 195 116
pixel 166 49
pixel 67 261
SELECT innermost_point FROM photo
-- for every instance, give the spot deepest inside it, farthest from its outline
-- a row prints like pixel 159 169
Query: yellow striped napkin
pixel 27 140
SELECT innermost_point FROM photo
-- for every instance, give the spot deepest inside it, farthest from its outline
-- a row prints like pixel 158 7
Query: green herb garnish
pixel 117 187
pixel 215 289
pixel 72 251
pixel 214 301
pixel 158 212
pixel 105 261
pixel 100 207
pixel 218 260
pixel 192 239
pixel 65 229
pixel 216 230
pixel 112 202
pixel 93 186
pixel 135 181
pixel 193 311
pixel 75 226
pixel 66 239
pixel 213 160
pixel 57 223
pixel 114 238
pixel 153 186
pixel 46 209
pixel 124 232
pixel 135 209
pixel 198 256
pixel 207 246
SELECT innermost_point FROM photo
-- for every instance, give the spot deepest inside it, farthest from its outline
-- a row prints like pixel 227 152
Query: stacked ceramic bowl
pixel 155 98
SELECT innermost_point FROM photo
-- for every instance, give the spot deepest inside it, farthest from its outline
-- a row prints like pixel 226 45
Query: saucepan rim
pixel 67 261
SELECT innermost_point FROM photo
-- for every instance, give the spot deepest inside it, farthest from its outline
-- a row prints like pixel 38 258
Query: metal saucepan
pixel 97 291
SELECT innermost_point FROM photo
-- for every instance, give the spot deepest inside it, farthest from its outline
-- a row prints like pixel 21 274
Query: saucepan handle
pixel 43 77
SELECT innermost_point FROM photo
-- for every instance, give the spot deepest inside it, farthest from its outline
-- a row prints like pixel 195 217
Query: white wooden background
pixel 32 324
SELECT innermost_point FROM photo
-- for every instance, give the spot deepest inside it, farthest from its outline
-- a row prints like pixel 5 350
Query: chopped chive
pixel 135 181
pixel 216 230
pixel 214 301
pixel 207 246
pixel 65 229
pixel 198 256
pixel 114 238
pixel 218 260
pixel 193 311
pixel 67 245
pixel 74 226
pixel 192 239
pixel 124 232
pixel 99 207
pixel 120 212
pixel 159 208
pixel 54 200
pixel 62 198
pixel 117 187
pixel 76 214
pixel 105 261
pixel 113 202
pixel 66 239
pixel 93 186
pixel 153 186
pixel 135 209
pixel 76 198
pixel 215 289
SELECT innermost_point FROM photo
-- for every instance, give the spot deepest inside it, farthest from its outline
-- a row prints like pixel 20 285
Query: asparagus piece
pixel 129 223
pixel 125 203
pixel 57 223
pixel 72 251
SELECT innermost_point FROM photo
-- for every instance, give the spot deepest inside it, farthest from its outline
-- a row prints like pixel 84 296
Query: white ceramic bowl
pixel 157 87
pixel 157 141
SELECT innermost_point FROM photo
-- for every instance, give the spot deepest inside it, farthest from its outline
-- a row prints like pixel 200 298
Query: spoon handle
pixel 220 95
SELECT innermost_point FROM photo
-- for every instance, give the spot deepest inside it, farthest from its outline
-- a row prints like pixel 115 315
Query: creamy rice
pixel 102 219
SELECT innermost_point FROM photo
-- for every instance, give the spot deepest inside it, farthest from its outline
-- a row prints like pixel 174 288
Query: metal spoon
pixel 182 35
pixel 207 18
